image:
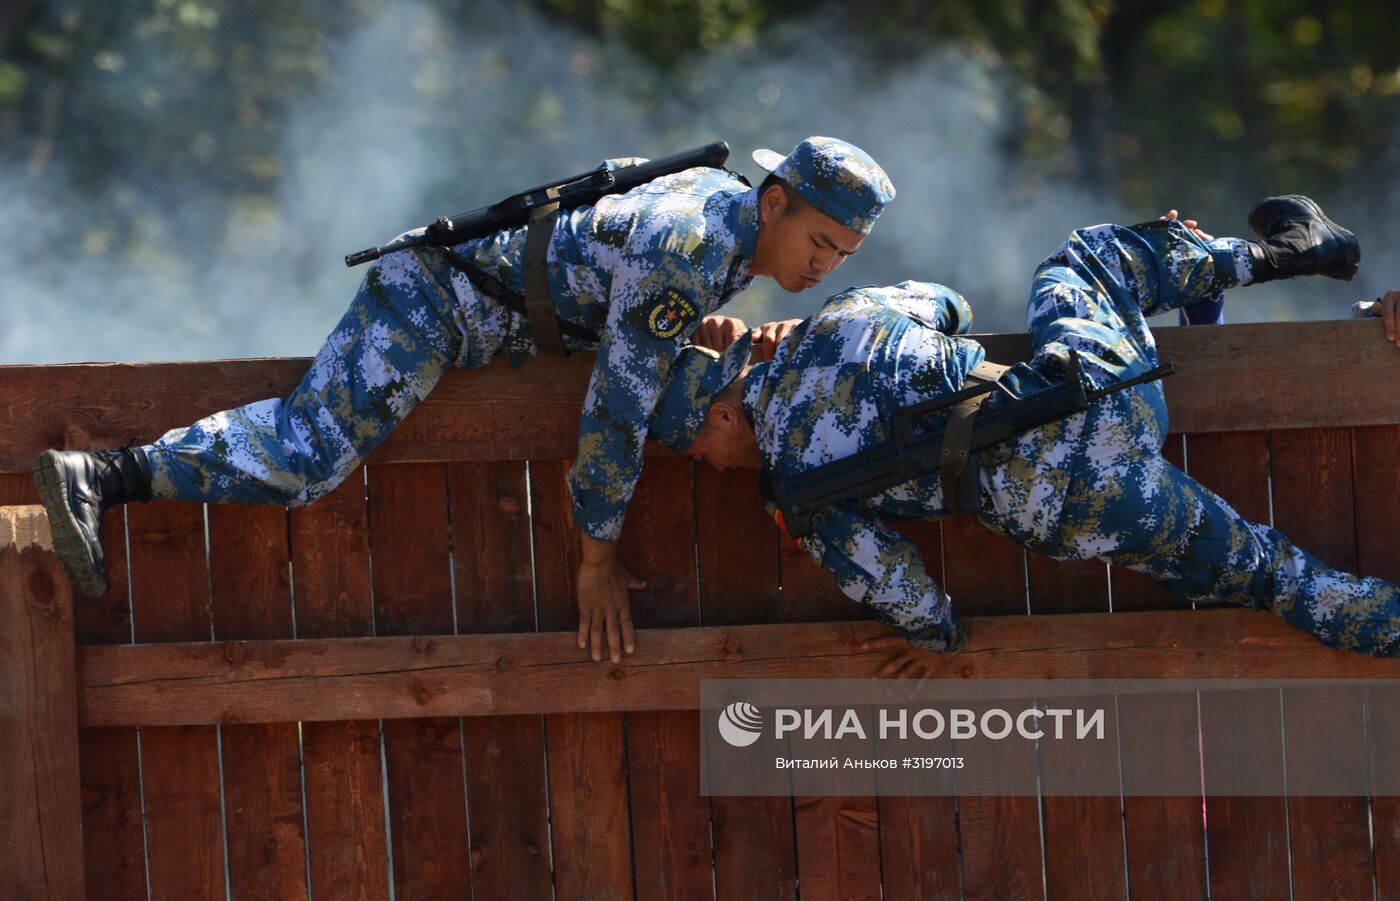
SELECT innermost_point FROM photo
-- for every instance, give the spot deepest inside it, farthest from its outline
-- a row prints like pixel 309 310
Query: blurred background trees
pixel 148 128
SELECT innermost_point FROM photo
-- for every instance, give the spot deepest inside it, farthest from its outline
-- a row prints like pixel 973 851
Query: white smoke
pixel 422 115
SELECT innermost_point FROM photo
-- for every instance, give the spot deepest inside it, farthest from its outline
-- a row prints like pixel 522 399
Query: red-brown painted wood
pixel 506 803
pixel 411 562
pixel 348 854
pixel 670 819
pixel 263 808
pixel 179 764
pixel 590 824
pixel 1377 498
pixel 1313 494
pixel 755 854
pixel 41 832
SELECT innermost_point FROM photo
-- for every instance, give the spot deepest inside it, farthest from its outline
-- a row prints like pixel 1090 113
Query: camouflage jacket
pixel 831 391
pixel 641 270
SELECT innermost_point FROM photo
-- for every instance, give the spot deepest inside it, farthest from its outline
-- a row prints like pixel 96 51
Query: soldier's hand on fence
pixel 906 661
pixel 1388 308
pixel 604 605
pixel 766 337
pixel 718 332
pixel 1192 224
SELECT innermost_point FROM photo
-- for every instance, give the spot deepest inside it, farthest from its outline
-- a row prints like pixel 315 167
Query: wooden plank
pixel 114 841
pixel 506 806
pixel 1377 500
pixel 1329 838
pixel 919 847
pixel 41 833
pixel 587 752
pixel 737 547
pixel 1230 378
pixel 985 573
pixel 477 675
pixel 670 818
pixel 348 853
pixel 1164 836
pixel 1083 836
pixel 250 582
pixel 179 764
pixel 1247 836
pixel 411 561
pixel 836 837
pixel 17 488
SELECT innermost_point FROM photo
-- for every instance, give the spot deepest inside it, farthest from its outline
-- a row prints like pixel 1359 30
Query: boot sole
pixel 68 541
pixel 1351 247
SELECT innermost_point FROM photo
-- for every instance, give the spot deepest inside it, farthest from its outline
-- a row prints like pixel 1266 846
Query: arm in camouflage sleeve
pixel 937 306
pixel 635 352
pixel 876 566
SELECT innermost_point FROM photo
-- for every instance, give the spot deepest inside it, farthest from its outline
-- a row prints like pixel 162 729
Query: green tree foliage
pixel 1138 99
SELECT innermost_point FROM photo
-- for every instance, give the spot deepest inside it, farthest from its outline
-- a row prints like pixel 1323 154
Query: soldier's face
pixel 798 246
pixel 725 441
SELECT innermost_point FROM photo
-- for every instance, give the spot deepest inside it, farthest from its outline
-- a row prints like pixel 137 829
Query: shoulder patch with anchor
pixel 670 314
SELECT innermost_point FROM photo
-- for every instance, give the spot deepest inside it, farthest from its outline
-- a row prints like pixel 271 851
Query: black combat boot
pixel 77 488
pixel 1296 238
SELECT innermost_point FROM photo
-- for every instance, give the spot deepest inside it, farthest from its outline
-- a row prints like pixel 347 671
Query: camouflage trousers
pixel 412 320
pixel 1095 485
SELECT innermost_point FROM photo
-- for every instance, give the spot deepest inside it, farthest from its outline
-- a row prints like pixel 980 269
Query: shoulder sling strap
pixel 960 494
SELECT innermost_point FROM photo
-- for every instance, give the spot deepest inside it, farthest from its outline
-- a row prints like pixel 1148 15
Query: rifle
pixel 910 456
pixel 579 190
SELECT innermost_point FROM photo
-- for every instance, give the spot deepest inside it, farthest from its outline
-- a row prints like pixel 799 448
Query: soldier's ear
pixel 772 204
pixel 723 413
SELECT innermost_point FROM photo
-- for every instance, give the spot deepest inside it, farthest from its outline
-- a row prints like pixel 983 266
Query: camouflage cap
pixel 837 178
pixel 695 378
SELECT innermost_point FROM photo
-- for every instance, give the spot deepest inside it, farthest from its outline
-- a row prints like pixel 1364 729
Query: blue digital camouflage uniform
pixel 1093 485
pixel 640 270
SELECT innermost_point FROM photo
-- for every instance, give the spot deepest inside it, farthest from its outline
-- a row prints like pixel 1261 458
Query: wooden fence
pixel 380 696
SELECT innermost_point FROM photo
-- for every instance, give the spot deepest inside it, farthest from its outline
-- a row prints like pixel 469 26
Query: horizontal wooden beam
pixel 470 675
pixel 1230 378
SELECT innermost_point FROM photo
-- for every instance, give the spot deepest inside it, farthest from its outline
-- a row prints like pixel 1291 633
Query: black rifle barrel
pixel 514 211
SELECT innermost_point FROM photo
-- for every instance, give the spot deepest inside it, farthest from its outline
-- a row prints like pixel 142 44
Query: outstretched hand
pixel 1191 224
pixel 766 337
pixel 604 602
pixel 718 332
pixel 906 661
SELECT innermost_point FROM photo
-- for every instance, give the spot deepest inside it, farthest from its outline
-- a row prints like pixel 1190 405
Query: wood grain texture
pixel 114 841
pixel 737 548
pixel 357 678
pixel 587 752
pixel 505 756
pixel 411 565
pixel 986 574
pixel 41 833
pixel 1247 836
pixel 670 818
pixel 1229 378
pixel 1083 836
pixel 179 765
pixel 348 853
pixel 1377 499
pixel 1313 493
pixel 251 594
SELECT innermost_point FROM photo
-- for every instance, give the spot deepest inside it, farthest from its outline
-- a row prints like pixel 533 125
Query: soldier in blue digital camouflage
pixel 633 275
pixel 1091 485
